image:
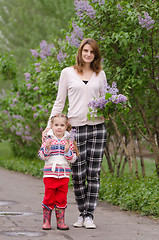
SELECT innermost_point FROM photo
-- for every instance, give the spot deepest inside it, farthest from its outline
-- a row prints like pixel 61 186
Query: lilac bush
pixel 127 35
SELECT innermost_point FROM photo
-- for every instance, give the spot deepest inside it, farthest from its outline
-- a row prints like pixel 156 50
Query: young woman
pixel 82 83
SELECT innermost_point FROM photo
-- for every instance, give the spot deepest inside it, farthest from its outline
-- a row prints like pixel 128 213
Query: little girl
pixel 57 151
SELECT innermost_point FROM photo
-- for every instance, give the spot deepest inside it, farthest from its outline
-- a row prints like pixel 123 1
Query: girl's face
pixel 88 54
pixel 59 127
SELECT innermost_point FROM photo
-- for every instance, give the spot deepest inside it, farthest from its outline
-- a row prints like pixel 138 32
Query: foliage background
pixel 127 33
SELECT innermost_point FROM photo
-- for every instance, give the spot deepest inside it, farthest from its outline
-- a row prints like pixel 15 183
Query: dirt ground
pixel 21 215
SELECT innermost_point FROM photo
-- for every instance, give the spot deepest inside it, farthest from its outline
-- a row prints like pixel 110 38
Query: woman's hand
pixel 44 133
pixel 67 146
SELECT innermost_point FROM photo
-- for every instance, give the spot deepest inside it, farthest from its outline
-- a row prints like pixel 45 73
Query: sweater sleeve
pixel 71 156
pixel 60 99
pixel 44 153
pixel 103 82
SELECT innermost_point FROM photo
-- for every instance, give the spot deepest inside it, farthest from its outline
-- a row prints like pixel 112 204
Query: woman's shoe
pixel 88 223
pixel 79 223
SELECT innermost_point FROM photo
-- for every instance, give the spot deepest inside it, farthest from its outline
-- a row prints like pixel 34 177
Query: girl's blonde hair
pixel 96 63
pixel 68 128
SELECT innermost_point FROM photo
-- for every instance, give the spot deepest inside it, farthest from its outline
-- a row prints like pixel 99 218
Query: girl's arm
pixel 70 155
pixel 45 149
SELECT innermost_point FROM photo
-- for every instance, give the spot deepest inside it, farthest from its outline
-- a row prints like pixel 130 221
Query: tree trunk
pixel 124 146
pixel 140 154
pixel 107 154
pixel 154 146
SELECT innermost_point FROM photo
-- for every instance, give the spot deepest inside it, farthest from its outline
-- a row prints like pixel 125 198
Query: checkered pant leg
pixel 86 170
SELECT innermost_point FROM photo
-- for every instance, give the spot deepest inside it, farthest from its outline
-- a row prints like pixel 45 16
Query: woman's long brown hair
pixel 96 64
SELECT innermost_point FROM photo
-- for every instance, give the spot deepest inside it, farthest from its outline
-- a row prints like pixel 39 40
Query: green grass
pixel 150 167
pixel 19 164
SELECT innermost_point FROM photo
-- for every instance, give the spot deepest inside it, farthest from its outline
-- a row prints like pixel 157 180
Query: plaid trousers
pixel 91 140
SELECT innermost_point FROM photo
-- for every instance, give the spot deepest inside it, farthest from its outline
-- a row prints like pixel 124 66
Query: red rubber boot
pixel 60 215
pixel 46 219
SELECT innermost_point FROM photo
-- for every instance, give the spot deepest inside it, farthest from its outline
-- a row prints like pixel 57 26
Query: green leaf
pixel 108 95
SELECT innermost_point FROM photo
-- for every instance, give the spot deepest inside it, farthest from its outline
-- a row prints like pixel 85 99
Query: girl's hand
pixel 67 146
pixel 48 143
pixel 44 134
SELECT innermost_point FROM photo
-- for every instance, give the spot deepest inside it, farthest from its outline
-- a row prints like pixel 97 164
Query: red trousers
pixel 56 190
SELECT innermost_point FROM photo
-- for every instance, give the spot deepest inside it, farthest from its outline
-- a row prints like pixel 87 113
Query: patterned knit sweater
pixel 56 160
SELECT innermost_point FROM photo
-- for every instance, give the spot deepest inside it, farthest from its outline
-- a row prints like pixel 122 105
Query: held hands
pixel 44 134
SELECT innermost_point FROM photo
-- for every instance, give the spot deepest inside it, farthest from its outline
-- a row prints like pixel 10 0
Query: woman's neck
pixel 87 68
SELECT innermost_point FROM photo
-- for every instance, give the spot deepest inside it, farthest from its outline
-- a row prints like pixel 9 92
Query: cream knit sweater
pixel 79 95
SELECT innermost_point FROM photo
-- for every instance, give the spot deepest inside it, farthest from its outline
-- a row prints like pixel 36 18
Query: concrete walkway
pixel 21 215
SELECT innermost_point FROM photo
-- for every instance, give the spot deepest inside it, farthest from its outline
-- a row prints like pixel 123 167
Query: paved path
pixel 22 195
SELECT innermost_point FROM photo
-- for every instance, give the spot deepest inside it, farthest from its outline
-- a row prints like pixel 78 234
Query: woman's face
pixel 88 54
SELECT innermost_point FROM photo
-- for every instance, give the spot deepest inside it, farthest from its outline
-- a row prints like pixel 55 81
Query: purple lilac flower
pixel 26 127
pixel 28 85
pixel 72 134
pixel 37 67
pixel 12 105
pixel 61 56
pixel 35 115
pixel 3 92
pixel 76 34
pixel 57 83
pixel 42 55
pixel 101 101
pixel 5 111
pixel 19 133
pixel 18 117
pixel 27 133
pixel 34 53
pixel 118 98
pixel 119 7
pixel 27 76
pixel 146 22
pixel 45 49
pixel 43 45
pixel 36 88
pixel 41 129
pixel 122 98
pixel 33 108
pixel 13 128
pixel 14 100
pixel 82 7
pixel 28 138
pixel 50 46
pixel 99 1
pixel 113 90
pixel 40 106
pixel 139 50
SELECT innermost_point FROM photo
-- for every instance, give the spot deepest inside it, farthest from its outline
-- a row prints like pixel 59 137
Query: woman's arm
pixel 60 99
